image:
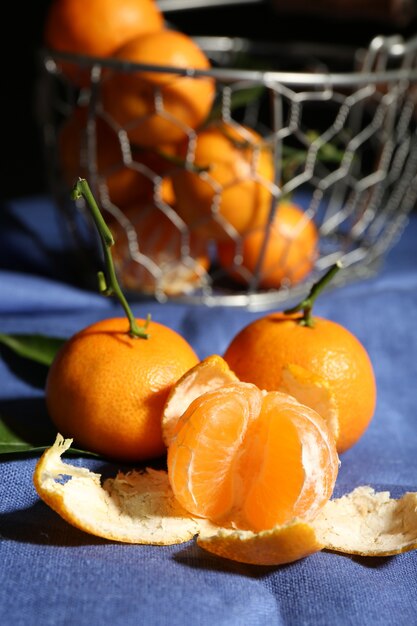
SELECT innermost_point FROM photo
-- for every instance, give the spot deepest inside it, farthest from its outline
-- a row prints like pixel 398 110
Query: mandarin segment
pixel 207 439
pixel 250 459
pixel 297 462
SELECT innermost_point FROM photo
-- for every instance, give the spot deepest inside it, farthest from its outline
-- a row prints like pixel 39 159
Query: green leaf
pixel 29 429
pixel 11 443
pixel 239 98
pixel 35 438
pixel 39 348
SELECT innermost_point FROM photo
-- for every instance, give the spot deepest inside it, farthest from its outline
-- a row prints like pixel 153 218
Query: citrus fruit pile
pixel 251 466
pixel 252 439
pixel 151 138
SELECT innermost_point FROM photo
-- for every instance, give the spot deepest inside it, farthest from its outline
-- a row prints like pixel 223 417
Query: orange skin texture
pixel 290 252
pixel 233 159
pixel 107 390
pixel 261 350
pixel 99 27
pixel 129 98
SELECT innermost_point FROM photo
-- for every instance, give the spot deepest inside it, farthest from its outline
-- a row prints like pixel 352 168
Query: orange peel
pixel 314 391
pixel 112 510
pixel 209 374
pixel 369 523
pixel 213 372
pixel 278 546
pixel 139 507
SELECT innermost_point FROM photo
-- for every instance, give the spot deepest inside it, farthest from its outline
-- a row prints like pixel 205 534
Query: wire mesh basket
pixel 313 160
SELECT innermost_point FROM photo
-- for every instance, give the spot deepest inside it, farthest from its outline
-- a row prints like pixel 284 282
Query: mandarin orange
pixel 107 389
pixel 97 154
pixel 153 252
pixel 97 28
pixel 226 191
pixel 326 355
pixel 251 460
pixel 158 107
pixel 290 251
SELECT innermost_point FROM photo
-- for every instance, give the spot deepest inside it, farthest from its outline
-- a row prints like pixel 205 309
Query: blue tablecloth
pixel 50 573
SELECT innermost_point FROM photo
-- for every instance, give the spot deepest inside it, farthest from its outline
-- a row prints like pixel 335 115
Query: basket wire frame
pixel 359 204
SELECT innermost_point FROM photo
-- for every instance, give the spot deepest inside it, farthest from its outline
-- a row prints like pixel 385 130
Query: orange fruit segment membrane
pixel 140 507
pixel 251 459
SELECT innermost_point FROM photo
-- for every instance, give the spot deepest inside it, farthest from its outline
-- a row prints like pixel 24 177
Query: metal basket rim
pixel 394 47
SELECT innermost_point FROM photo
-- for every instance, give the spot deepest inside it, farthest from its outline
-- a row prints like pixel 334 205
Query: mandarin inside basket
pixel 340 125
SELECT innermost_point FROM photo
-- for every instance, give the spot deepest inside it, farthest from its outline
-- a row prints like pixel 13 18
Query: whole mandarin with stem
pixel 107 386
pixel 315 359
pixel 106 389
pixel 157 107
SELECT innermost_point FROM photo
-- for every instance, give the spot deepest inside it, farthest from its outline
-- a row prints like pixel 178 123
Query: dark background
pixel 293 22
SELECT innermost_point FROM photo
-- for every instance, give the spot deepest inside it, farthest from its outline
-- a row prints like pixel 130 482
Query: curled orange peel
pixel 312 390
pixel 136 507
pixel 211 373
pixel 139 507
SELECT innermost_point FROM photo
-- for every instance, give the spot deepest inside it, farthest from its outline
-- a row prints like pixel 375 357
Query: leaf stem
pixel 173 159
pixel 108 283
pixel 306 305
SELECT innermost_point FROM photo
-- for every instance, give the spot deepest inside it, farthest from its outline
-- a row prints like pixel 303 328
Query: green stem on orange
pixel 173 159
pixel 108 283
pixel 306 305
